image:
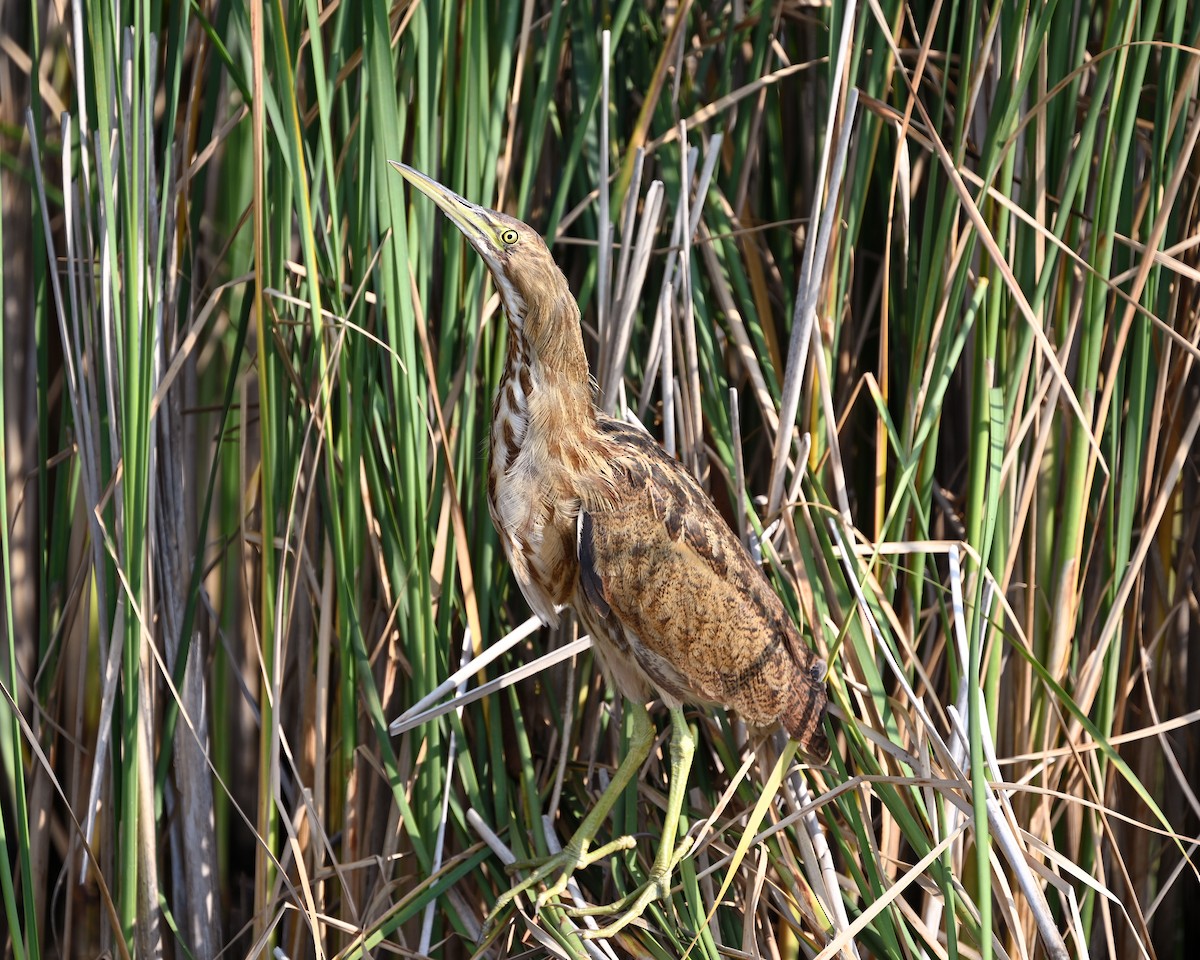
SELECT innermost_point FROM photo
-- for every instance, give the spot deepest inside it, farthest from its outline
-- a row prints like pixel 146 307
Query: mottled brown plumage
pixel 675 604
pixel 593 514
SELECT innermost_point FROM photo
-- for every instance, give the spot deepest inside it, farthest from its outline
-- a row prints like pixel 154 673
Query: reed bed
pixel 912 288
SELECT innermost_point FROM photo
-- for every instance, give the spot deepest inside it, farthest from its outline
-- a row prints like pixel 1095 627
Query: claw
pixel 653 890
pixel 631 907
pixel 576 855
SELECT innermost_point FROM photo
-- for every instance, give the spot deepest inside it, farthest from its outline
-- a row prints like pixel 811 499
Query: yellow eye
pixel 508 237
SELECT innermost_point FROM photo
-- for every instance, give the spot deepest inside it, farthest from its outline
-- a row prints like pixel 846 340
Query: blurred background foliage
pixel 246 389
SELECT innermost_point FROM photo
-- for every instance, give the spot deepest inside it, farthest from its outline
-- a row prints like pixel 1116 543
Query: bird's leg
pixel 576 855
pixel 658 886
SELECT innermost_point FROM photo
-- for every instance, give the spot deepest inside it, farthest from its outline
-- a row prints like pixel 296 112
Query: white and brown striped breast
pixel 530 495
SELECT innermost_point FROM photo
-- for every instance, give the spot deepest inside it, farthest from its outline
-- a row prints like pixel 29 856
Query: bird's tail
pixel 803 716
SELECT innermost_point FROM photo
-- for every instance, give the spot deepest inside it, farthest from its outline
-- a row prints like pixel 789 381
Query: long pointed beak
pixel 474 221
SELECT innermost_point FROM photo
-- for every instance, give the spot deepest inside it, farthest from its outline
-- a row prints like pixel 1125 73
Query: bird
pixel 594 515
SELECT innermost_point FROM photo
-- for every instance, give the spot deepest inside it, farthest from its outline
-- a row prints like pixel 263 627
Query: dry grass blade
pixel 833 159
pixel 507 679
pixel 475 665
pixel 628 296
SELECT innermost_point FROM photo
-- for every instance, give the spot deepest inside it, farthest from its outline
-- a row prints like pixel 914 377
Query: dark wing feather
pixel 696 612
pixel 589 580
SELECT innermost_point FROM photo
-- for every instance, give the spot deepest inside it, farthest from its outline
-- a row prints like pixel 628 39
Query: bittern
pixel 593 514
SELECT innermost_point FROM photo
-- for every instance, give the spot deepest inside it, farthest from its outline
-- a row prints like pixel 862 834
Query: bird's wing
pixel 657 558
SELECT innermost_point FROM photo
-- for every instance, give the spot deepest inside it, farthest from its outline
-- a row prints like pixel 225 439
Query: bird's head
pixel 535 292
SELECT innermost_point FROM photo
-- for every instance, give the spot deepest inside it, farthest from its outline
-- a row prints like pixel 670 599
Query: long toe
pixel 630 908
pixel 556 871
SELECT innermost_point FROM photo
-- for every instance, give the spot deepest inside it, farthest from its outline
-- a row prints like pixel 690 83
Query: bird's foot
pixel 631 907
pixel 576 855
pixel 558 869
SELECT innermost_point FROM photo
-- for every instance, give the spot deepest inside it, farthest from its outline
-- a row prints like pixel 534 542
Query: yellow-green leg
pixel 658 886
pixel 575 855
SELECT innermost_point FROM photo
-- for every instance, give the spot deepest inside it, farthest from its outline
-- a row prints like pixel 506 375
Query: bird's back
pixel 676 602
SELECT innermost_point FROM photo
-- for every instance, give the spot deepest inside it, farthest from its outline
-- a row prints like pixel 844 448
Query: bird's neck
pixel 548 342
pixel 543 419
